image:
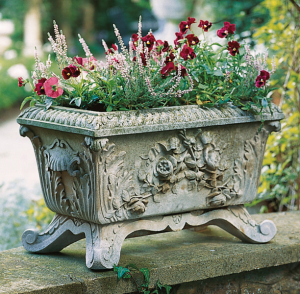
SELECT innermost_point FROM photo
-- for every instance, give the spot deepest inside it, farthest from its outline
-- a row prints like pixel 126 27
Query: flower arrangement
pixel 152 73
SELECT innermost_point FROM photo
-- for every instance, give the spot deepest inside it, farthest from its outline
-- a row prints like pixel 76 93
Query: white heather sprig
pixel 140 29
pixel 120 40
pixel 48 62
pixel 273 65
pixel 85 47
pixel 105 46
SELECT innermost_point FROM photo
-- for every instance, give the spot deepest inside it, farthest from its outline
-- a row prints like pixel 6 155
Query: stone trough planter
pixel 108 175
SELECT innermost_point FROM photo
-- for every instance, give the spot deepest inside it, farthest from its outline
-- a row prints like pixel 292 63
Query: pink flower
pixel 52 89
pixel 227 29
pixel 205 25
pixel 39 87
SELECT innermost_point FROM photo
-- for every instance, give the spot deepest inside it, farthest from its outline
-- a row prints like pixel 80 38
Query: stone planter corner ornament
pixel 108 175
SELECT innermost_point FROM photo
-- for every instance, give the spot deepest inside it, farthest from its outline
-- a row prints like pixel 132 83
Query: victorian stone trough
pixel 108 175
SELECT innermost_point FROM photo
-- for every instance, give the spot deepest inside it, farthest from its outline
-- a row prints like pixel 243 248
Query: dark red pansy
pixel 21 82
pixel 184 27
pixel 191 20
pixel 166 47
pixel 179 36
pixel 170 58
pixel 113 49
pixel 260 81
pixel 39 87
pixel 149 40
pixel 227 29
pixel 262 78
pixel 183 71
pixel 75 71
pixel 233 47
pixel 165 71
pixel 230 27
pixel 187 52
pixel 143 59
pixel 265 74
pixel 66 73
pixel 78 60
pixel 192 39
pixel 205 25
pixel 162 46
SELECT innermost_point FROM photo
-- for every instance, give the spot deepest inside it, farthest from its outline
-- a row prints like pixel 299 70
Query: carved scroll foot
pixel 104 242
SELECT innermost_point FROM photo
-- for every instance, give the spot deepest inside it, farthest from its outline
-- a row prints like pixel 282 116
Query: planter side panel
pixel 111 179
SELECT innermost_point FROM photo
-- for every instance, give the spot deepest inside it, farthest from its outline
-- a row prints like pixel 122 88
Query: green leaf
pixel 78 101
pixel 264 103
pixel 218 73
pixel 146 274
pixel 109 108
pixel 201 86
pixel 25 101
pixel 48 102
pixel 132 265
pixel 168 288
pixel 121 271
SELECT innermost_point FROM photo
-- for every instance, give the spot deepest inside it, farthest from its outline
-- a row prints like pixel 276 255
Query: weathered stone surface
pixel 173 258
pixel 99 124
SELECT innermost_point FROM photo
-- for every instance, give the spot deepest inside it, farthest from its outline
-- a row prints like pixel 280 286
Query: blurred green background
pixel 269 24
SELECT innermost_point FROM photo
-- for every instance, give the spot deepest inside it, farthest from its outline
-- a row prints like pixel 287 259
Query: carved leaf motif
pixel 190 162
pixel 165 187
pixel 116 203
pixel 125 196
pixel 190 175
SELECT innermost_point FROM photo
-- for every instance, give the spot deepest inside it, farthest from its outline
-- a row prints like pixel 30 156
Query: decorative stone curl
pixel 104 242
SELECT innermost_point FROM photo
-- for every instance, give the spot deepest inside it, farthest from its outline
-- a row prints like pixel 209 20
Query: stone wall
pixel 209 261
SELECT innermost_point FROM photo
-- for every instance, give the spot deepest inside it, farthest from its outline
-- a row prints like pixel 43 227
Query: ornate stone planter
pixel 108 175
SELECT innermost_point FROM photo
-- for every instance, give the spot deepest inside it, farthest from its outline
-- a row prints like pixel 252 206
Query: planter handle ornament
pixel 110 175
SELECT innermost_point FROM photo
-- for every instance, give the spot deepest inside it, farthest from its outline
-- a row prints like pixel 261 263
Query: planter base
pixel 104 242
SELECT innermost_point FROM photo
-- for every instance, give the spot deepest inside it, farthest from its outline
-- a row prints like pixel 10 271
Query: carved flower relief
pixel 130 202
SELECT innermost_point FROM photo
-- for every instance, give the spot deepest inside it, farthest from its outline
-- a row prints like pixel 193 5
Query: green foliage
pixel 10 94
pixel 280 179
pixel 138 78
pixel 127 273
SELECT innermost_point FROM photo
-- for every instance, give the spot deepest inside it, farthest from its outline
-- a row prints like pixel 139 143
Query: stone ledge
pixel 173 258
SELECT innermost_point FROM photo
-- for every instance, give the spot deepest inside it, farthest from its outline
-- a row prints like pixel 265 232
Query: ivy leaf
pixel 167 288
pixel 146 274
pixel 121 271
pixel 132 265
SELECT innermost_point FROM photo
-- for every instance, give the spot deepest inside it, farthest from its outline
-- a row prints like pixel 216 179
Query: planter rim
pixel 100 124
